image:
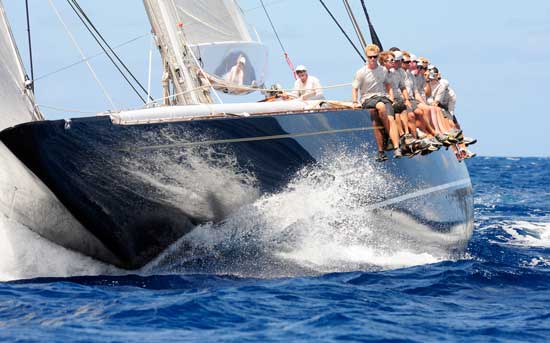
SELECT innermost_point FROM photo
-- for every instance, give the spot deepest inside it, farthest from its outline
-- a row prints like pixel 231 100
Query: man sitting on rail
pixel 422 91
pixel 444 98
pixel 392 61
pixel 371 89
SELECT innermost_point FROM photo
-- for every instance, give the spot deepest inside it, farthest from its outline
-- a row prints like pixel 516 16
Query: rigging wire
pixel 287 58
pixel 75 43
pixel 97 36
pixel 271 3
pixel 149 71
pixel 66 110
pixel 343 31
pixel 108 46
pixel 89 58
pixel 30 43
pixel 102 52
pixel 355 24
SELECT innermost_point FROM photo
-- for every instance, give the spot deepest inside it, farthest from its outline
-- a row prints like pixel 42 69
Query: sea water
pixel 282 276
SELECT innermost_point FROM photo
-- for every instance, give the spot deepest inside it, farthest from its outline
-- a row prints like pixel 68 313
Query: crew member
pixel 306 87
pixel 236 73
pixel 371 89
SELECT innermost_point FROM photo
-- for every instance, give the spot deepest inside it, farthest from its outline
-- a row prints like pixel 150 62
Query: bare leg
pixel 378 135
pixel 400 129
pixel 435 120
pixel 451 123
pixel 403 120
pixel 427 113
pixel 424 122
pixel 389 124
pixel 443 122
pixel 411 123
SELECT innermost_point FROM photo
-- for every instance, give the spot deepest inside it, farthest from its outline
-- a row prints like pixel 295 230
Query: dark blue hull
pixel 139 188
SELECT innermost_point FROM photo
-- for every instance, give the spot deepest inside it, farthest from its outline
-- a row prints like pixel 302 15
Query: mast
pixel 181 70
pixel 355 24
pixel 206 46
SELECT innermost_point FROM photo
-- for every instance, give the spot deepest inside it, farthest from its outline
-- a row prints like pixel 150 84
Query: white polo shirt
pixel 310 90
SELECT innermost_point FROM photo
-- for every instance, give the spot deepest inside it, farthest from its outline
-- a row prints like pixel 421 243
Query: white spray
pixel 317 224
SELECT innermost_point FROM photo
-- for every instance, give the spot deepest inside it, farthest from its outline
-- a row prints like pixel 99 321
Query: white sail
pixel 207 21
pixel 223 52
pixel 16 101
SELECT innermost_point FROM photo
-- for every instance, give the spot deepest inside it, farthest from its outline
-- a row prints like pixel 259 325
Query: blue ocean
pixel 497 291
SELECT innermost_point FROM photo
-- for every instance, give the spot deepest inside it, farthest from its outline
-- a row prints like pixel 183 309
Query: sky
pixel 495 55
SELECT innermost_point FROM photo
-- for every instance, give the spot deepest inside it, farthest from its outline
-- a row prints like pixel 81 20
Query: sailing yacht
pixel 123 186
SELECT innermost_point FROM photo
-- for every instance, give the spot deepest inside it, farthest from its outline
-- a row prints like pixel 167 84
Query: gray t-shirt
pixel 397 80
pixel 371 82
pixel 420 84
pixel 410 83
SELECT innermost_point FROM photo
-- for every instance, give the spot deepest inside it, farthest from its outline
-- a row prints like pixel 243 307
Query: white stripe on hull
pixel 417 194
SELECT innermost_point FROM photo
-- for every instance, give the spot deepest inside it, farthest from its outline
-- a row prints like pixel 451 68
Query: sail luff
pixel 238 17
pixel 17 100
pixel 208 21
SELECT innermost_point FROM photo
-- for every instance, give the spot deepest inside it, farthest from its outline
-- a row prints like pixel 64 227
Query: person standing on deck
pixel 306 87
pixel 371 89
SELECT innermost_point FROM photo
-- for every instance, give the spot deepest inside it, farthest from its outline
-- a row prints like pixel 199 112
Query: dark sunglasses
pixel 372 57
pixel 406 62
pixel 390 61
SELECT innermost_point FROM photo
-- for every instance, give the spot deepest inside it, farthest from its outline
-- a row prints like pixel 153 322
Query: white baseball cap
pixel 413 57
pixel 300 68
pixel 398 55
pixel 242 60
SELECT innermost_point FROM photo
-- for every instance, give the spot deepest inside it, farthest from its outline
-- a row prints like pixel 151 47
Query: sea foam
pixel 316 224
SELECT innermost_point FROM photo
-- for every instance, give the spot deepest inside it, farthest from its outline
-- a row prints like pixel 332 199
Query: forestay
pixel 16 102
